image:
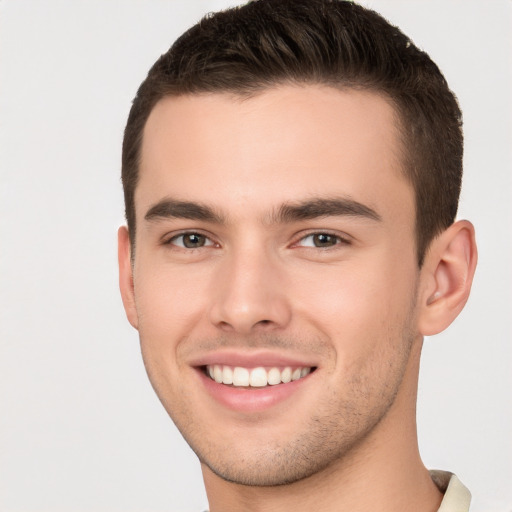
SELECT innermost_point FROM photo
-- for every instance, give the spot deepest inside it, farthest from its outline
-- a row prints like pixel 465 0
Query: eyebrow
pixel 329 207
pixel 289 212
pixel 173 209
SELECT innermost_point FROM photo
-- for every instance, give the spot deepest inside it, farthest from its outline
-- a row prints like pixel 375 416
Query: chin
pixel 260 474
pixel 274 463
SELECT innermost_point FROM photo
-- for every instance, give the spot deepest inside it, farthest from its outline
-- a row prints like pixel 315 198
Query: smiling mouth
pixel 259 377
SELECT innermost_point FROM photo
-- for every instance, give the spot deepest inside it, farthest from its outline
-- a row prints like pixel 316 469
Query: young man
pixel 291 173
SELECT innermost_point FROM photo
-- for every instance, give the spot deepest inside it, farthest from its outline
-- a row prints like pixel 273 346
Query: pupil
pixel 192 241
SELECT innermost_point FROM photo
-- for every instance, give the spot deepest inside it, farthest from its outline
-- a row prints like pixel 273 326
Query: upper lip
pixel 251 359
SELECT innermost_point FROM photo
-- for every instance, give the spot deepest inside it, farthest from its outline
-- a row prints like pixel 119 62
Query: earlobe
pixel 447 274
pixel 126 275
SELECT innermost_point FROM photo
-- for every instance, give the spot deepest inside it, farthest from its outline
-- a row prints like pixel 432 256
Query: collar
pixel 456 495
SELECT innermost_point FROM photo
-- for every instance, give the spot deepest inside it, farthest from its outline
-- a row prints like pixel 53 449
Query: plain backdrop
pixel 80 427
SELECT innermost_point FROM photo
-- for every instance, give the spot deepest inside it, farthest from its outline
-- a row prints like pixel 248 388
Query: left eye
pixel 190 241
pixel 320 240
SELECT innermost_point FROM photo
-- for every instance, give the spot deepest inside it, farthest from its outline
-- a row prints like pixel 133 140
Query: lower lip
pixel 249 399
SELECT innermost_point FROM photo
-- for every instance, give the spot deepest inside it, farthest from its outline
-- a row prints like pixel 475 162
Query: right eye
pixel 191 241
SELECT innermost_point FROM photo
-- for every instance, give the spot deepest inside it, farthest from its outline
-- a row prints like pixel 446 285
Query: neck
pixel 383 473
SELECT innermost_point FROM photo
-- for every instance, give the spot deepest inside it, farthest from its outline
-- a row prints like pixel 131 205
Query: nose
pixel 250 294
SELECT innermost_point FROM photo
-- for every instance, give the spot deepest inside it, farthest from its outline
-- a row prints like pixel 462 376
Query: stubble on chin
pixel 330 437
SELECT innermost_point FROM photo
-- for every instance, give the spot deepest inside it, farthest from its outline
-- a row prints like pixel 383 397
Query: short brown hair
pixel 264 43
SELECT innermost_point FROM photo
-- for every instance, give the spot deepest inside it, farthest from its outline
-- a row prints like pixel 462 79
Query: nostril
pixel 263 323
pixel 225 326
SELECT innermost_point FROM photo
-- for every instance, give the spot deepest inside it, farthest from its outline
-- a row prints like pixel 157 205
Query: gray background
pixel 80 427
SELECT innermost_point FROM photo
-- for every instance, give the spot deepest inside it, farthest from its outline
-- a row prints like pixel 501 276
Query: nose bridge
pixel 248 294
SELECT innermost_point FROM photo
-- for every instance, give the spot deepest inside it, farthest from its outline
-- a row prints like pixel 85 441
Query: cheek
pixel 358 304
pixel 170 307
pixel 169 302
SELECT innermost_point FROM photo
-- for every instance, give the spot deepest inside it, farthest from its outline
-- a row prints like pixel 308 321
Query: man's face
pixel 275 241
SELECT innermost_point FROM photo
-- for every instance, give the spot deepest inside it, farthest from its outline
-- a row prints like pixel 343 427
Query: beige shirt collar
pixel 456 495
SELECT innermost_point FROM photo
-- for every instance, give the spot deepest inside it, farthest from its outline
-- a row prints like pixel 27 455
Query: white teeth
pixel 227 375
pixel 286 375
pixel 217 373
pixel 240 376
pixel 305 371
pixel 274 376
pixel 255 377
pixel 258 377
pixel 296 374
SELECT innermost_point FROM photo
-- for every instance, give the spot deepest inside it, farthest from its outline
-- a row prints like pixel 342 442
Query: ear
pixel 126 275
pixel 447 275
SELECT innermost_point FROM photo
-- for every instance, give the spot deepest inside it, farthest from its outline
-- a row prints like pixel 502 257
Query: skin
pixel 355 308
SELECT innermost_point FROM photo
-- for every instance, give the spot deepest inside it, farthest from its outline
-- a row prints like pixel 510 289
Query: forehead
pixel 281 145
